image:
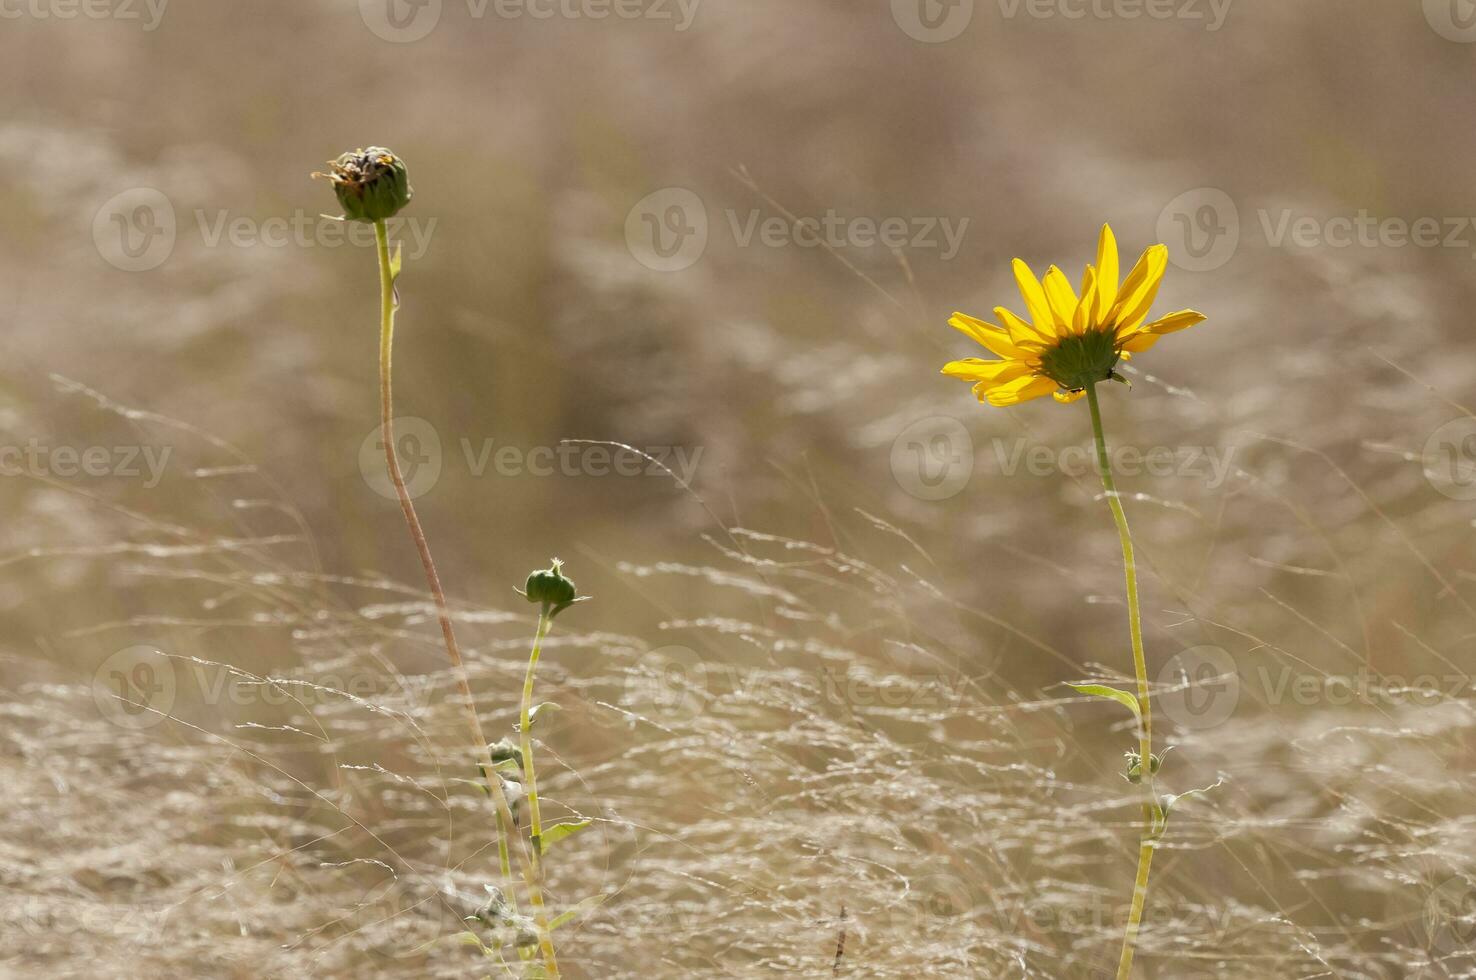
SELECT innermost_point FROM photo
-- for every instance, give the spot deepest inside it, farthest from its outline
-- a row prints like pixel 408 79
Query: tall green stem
pixel 530 777
pixel 1140 668
pixel 505 822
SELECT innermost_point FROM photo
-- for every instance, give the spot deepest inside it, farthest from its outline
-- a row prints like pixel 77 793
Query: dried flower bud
pixel 371 185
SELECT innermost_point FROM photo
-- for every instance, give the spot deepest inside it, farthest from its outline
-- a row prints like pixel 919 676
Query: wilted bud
pixel 551 588
pixel 371 184
pixel 495 911
pixel 505 750
pixel 1134 770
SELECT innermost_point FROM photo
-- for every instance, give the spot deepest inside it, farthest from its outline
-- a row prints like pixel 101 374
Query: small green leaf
pixel 1103 691
pixel 552 835
pixel 395 263
pixel 565 917
pixel 542 708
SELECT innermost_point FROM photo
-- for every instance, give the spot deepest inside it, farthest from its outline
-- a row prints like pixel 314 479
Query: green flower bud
pixel 371 185
pixel 550 587
pixel 1134 769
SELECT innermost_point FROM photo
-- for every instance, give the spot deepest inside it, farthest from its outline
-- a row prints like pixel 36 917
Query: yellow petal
pixel 1061 297
pixel 1067 397
pixel 1021 390
pixel 1140 289
pixel 1035 299
pixel 990 336
pixel 1024 335
pixel 1138 342
pixel 1107 272
pixel 991 372
pixel 1086 310
pixel 1174 321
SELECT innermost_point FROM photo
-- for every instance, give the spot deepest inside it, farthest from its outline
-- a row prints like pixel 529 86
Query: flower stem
pixel 1140 668
pixel 505 822
pixel 530 782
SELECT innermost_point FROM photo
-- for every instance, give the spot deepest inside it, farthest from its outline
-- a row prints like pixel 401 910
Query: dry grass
pixel 804 703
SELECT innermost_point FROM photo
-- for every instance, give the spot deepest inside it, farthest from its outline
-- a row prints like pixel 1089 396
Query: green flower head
pixel 552 588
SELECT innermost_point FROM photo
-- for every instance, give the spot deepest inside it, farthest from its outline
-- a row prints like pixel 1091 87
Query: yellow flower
pixel 1070 341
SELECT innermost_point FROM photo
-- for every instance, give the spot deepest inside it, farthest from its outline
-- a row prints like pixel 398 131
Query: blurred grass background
pixel 790 372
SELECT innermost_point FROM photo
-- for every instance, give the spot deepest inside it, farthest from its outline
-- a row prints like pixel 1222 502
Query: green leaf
pixel 395 263
pixel 565 917
pixel 1123 698
pixel 552 835
pixel 542 708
